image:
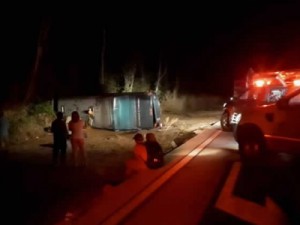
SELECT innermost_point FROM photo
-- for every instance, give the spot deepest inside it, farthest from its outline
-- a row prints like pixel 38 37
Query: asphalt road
pixel 215 188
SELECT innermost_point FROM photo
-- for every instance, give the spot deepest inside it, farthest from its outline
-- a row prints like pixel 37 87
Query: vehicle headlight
pixel 238 117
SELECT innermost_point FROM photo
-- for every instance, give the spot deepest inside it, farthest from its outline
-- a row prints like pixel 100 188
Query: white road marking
pixel 248 211
pixel 119 215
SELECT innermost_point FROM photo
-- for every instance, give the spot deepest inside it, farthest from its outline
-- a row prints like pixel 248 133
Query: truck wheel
pixel 225 122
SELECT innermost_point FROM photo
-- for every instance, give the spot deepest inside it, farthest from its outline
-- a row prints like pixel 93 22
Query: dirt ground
pixel 106 147
pixel 34 190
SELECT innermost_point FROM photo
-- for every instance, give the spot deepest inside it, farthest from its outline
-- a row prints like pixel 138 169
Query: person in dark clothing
pixel 60 136
pixel 155 155
pixel 4 131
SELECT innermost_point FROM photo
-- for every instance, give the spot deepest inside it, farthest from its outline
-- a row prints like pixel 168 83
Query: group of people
pixel 147 154
pixel 73 130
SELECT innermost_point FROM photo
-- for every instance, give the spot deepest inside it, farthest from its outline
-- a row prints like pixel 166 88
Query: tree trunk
pixel 161 73
pixel 102 57
pixel 33 77
pixel 129 78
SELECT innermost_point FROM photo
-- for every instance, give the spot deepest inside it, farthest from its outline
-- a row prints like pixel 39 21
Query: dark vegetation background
pixel 187 48
pixel 189 55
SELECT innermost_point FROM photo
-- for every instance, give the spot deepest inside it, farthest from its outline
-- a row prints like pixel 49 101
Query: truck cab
pixel 262 88
pixel 270 128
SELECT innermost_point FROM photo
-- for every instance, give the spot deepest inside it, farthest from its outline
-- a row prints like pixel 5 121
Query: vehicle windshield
pixel 264 95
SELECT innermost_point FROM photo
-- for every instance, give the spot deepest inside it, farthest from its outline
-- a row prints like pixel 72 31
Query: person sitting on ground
pixel 155 154
pixel 138 162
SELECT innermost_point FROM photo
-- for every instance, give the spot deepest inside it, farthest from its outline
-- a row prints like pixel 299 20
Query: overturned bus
pixel 114 111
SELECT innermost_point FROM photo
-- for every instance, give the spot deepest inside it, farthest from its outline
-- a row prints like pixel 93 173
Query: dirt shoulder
pixel 101 144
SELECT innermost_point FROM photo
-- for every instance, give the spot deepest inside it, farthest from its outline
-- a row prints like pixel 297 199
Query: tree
pixel 129 77
pixel 102 57
pixel 160 75
pixel 42 41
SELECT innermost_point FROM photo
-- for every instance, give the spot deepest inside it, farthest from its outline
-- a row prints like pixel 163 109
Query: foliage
pixel 114 84
pixel 29 121
pixel 173 102
pixel 41 108
pixel 128 81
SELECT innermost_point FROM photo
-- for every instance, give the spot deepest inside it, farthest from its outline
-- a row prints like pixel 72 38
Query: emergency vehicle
pixel 257 89
pixel 272 124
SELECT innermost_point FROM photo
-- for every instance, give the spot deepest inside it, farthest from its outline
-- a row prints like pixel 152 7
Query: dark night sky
pixel 206 45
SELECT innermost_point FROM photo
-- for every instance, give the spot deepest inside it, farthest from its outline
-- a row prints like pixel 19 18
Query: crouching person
pixel 139 159
pixel 155 155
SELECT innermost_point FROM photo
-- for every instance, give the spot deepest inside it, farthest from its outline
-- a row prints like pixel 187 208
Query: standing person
pixel 155 155
pixel 4 130
pixel 138 162
pixel 77 126
pixel 60 136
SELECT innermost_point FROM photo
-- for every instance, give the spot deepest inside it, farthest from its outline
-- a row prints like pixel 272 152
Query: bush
pixel 189 103
pixel 27 122
pixel 41 108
